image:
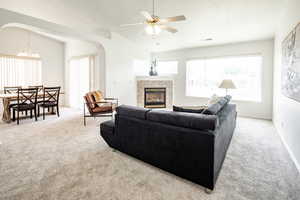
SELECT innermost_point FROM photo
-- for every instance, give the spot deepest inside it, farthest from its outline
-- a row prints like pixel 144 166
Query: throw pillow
pixel 213 99
pixel 98 96
pixel 188 110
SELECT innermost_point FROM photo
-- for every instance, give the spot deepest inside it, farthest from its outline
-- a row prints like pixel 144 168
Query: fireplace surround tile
pixel 142 84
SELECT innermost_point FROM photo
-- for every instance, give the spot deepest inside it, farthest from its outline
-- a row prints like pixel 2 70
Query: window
pixel 20 71
pixel 142 67
pixel 203 77
pixel 166 67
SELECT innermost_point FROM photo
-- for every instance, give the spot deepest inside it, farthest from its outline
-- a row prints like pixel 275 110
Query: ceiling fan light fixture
pixel 154 24
pixel 152 29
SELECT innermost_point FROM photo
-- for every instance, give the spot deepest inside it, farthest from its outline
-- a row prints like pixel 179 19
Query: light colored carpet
pixel 59 158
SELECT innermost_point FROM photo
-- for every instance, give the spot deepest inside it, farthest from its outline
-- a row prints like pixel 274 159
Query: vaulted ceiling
pixel 225 21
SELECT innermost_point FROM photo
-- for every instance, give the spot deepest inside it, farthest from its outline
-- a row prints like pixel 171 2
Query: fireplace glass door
pixel 155 98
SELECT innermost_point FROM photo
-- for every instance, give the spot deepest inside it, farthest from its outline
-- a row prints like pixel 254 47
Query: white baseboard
pixel 288 148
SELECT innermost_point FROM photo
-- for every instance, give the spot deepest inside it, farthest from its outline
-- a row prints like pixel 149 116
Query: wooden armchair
pixel 98 106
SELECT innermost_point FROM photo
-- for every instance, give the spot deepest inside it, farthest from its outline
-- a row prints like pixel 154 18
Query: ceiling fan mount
pixel 155 24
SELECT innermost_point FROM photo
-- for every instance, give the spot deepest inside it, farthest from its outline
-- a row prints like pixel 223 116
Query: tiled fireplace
pixel 154 93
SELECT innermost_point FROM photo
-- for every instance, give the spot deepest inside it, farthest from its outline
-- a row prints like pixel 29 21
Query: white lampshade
pixel 227 84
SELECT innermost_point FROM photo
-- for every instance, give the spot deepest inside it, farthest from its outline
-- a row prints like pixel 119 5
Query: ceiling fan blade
pixel 173 19
pixel 134 24
pixel 168 28
pixel 147 15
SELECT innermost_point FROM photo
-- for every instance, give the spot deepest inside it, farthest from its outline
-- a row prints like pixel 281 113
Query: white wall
pixel 14 40
pixel 119 52
pixel 250 109
pixel 286 111
pixel 120 77
pixel 77 48
pixel 114 66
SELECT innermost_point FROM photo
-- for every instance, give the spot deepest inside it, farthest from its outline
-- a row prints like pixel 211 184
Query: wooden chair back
pixel 27 96
pixel 39 87
pixel 51 95
pixel 11 90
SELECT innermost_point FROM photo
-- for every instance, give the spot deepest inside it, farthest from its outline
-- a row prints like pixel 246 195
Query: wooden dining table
pixel 13 97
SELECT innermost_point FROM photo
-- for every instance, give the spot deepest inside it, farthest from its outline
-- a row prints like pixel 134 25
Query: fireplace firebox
pixel 155 97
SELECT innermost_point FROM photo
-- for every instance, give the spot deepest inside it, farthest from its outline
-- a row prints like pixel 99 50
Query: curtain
pixel 20 71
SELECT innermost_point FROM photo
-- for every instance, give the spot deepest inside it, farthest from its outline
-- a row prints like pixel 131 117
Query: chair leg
pixel 14 115
pixel 84 121
pixel 38 111
pixel 57 110
pixel 35 115
pixel 44 113
pixel 18 117
pixel 26 113
pixel 30 114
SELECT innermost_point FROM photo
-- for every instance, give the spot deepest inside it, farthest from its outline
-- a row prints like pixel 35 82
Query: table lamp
pixel 227 84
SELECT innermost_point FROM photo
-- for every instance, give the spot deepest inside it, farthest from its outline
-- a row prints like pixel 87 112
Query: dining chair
pixel 26 101
pixel 50 100
pixel 11 90
pixel 39 87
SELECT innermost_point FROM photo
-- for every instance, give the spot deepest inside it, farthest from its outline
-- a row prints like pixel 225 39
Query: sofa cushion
pixel 216 107
pixel 213 99
pixel 132 111
pixel 228 97
pixel 189 110
pixel 212 109
pixel 187 120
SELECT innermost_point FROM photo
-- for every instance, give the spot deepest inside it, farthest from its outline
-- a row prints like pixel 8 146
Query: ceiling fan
pixel 155 24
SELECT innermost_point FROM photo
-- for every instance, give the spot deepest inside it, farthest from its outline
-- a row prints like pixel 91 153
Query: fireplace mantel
pixel 154 78
pixel 156 82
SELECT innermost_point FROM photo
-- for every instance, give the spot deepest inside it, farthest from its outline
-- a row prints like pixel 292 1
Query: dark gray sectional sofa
pixel 189 145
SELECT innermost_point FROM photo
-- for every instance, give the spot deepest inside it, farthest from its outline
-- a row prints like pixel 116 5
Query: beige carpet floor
pixel 61 159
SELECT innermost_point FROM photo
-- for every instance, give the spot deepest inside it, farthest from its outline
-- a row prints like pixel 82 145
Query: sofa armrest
pixel 109 98
pixel 132 111
pixel 98 102
pixel 114 100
